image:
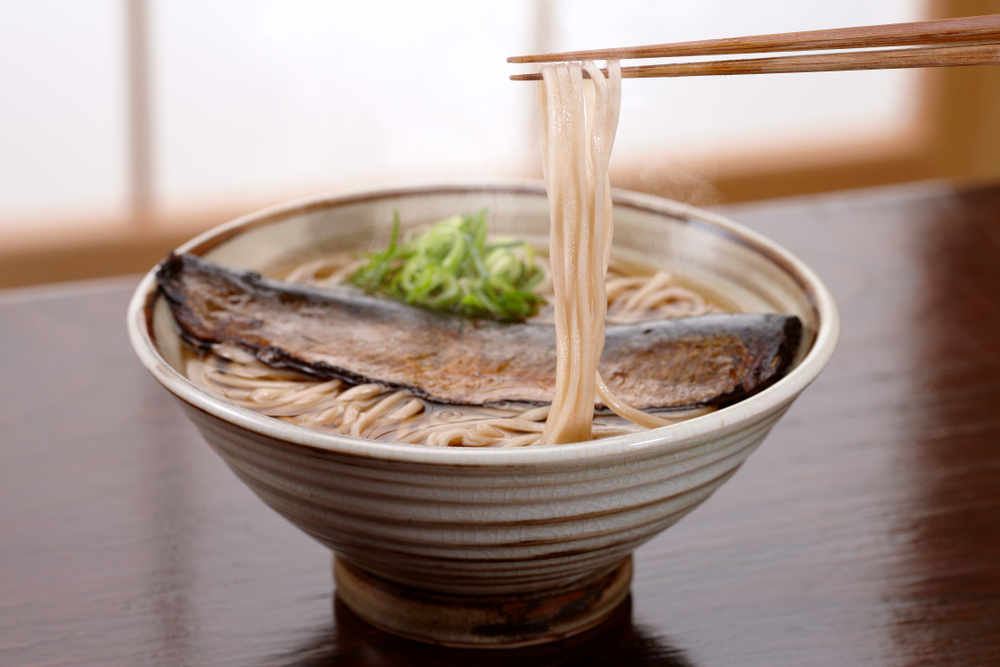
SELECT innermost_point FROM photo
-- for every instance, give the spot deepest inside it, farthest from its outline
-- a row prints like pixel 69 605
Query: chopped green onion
pixel 451 267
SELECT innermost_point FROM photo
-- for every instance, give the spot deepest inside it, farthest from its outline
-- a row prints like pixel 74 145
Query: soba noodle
pixel 578 123
pixel 579 119
pixel 585 286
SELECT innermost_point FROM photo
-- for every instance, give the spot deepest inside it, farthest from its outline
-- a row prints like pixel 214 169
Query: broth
pixel 381 413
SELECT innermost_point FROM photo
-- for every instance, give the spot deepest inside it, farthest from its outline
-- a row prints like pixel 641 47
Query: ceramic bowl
pixel 494 547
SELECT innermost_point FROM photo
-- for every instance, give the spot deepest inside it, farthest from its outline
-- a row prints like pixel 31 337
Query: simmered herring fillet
pixel 679 363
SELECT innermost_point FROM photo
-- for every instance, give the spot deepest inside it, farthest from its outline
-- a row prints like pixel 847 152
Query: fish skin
pixel 681 363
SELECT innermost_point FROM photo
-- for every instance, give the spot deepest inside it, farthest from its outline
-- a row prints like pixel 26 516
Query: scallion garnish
pixel 451 267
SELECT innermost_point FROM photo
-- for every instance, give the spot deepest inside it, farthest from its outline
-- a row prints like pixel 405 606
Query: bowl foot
pixel 497 621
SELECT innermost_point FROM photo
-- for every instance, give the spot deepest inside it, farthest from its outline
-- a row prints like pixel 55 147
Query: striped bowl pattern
pixel 494 521
pixel 497 529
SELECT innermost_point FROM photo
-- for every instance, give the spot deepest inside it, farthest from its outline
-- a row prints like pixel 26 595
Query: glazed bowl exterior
pixel 493 521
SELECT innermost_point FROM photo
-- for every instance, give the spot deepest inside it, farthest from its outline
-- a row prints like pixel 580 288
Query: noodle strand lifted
pixel 578 121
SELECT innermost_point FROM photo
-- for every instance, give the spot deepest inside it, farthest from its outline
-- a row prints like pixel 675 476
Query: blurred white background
pixel 256 101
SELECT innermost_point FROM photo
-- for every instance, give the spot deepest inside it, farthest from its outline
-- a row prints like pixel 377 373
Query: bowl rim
pixel 677 437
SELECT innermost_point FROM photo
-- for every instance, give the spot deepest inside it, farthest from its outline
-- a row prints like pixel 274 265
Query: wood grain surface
pixel 966 29
pixel 937 56
pixel 865 531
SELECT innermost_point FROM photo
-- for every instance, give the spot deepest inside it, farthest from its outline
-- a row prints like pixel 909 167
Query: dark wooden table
pixel 865 531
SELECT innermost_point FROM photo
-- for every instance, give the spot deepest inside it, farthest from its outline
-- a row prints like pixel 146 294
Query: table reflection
pixel 350 641
pixel 952 570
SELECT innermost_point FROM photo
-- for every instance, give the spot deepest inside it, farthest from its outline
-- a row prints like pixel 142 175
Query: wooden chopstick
pixel 940 56
pixel 970 29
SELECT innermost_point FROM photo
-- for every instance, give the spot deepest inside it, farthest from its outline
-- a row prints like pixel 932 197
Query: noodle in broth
pixel 635 294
